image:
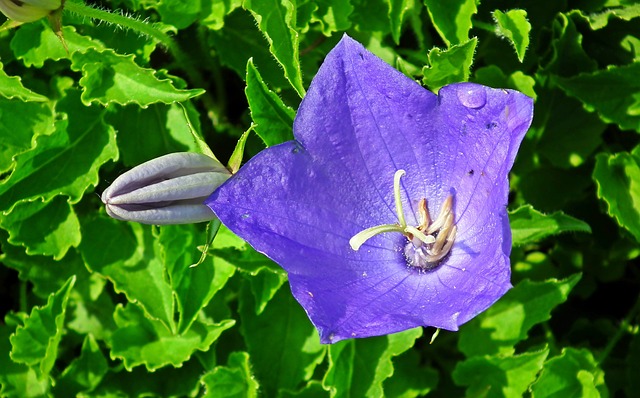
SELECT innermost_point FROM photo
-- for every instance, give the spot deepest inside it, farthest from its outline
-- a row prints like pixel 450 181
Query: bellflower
pixel 170 189
pixel 388 211
pixel 28 10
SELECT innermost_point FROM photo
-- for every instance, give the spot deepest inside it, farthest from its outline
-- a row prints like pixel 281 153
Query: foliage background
pixel 96 307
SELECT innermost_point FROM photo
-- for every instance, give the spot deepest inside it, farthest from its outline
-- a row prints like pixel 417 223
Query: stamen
pixel 445 209
pixel 425 220
pixel 398 199
pixel 358 239
pixel 427 239
pixel 443 235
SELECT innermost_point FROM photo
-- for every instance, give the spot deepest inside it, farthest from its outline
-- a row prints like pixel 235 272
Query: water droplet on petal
pixel 472 96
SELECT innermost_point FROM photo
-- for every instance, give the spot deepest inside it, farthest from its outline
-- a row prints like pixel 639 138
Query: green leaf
pixel 449 66
pixel 293 350
pixel 371 16
pixel 493 76
pixel 139 340
pixel 84 373
pixel 273 119
pixel 43 272
pixel 452 19
pixel 276 20
pixel 214 18
pixel 193 286
pixel 108 77
pixel 568 58
pixel 17 380
pixel 146 133
pixel 20 123
pixel 625 13
pixel 499 376
pixel 11 88
pixel 65 162
pixel 508 321
pixel 232 381
pixel 574 373
pixel 36 43
pixel 128 255
pixel 235 160
pixel 397 12
pixel 332 15
pixel 614 93
pixel 358 368
pixel 313 389
pixel 514 26
pixel 566 134
pixel 410 378
pixel 43 228
pixel 618 179
pixel 241 40
pixel 36 342
pixel 529 225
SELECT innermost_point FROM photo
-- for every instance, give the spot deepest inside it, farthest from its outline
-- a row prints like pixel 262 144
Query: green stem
pixel 147 29
pixel 484 26
pixel 624 328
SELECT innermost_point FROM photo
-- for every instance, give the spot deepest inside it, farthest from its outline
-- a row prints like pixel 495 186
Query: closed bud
pixel 28 10
pixel 170 189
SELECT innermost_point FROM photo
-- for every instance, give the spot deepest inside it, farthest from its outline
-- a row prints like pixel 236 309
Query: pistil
pixel 429 242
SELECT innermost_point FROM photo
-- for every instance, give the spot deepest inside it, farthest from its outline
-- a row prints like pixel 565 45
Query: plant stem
pixel 624 328
pixel 484 26
pixel 145 28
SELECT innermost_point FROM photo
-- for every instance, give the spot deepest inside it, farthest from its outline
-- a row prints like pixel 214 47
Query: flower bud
pixel 170 189
pixel 28 10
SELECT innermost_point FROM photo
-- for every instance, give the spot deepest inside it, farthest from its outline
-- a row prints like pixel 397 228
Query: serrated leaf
pixel 214 18
pixel 232 381
pixel 241 40
pixel 43 228
pixel 496 376
pixel 273 119
pixel 371 16
pixel 108 77
pixel 128 255
pixel 193 286
pixel 37 42
pixel 397 12
pixel 618 179
pixel 146 133
pixel 452 19
pixel 574 373
pixel 65 162
pixel 36 342
pixel 613 92
pixel 529 225
pixel 293 350
pixel 410 378
pixel 313 389
pixel 514 26
pixel 85 372
pixel 20 123
pixel 358 368
pixel 508 321
pixel 167 382
pixel 567 134
pixel 332 15
pixel 139 340
pixel 568 58
pixel 449 66
pixel 494 77
pixel 17 380
pixel 11 88
pixel 43 272
pixel 625 13
pixel 276 20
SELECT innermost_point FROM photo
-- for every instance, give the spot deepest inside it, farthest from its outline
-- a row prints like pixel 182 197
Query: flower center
pixel 429 242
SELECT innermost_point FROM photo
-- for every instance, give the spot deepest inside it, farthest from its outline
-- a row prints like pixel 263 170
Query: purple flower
pixel 388 211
